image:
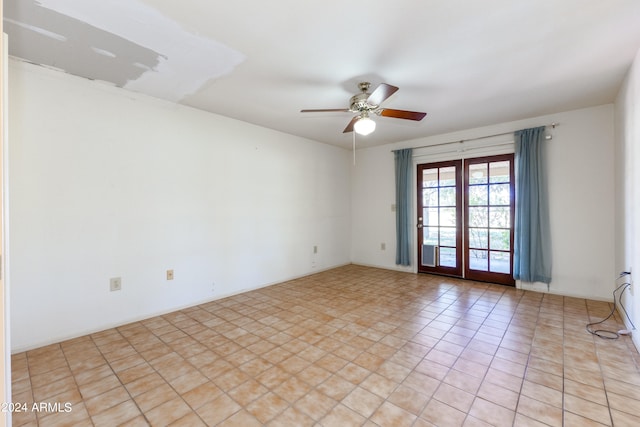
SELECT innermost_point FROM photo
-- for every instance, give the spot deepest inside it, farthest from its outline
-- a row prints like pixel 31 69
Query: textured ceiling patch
pixel 50 38
pixel 182 62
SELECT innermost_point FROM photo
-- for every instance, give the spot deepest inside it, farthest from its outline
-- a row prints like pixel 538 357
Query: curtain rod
pixel 460 141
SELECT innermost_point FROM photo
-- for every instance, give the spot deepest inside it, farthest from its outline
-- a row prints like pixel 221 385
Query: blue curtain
pixel 532 246
pixel 403 205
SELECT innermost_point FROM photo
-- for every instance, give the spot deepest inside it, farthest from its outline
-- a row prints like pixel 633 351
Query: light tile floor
pixel 346 347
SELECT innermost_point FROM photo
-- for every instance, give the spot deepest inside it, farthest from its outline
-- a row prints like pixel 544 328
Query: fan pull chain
pixel 354 148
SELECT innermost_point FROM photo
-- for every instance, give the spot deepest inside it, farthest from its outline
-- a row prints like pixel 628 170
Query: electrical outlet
pixel 383 246
pixel 629 279
pixel 115 284
pixel 169 274
pixel 315 249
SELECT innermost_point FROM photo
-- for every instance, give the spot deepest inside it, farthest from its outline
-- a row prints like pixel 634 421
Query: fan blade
pixel 381 93
pixel 402 114
pixel 329 110
pixel 349 127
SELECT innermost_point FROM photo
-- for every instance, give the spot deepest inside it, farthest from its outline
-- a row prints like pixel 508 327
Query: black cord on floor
pixel 611 335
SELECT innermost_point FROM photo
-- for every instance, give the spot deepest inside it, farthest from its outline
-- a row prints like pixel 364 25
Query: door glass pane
pixel 448 217
pixel 478 238
pixel 448 257
pixel 500 217
pixel 448 196
pixel 478 195
pixel 447 176
pixel 499 194
pixel 500 239
pixel 478 260
pixel 430 235
pixel 430 197
pixel 447 236
pixel 430 178
pixel 430 216
pixel 478 217
pixel 478 173
pixel 500 262
pixel 499 171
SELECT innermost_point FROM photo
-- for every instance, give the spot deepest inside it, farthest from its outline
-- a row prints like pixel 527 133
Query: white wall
pixel 581 178
pixel 628 186
pixel 105 183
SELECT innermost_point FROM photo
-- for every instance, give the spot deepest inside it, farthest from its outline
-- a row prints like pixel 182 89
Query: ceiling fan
pixel 366 103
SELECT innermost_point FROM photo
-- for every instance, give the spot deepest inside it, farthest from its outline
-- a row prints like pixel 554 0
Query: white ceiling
pixel 467 63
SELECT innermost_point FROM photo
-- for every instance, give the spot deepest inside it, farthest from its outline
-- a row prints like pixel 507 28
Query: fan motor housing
pixel 358 103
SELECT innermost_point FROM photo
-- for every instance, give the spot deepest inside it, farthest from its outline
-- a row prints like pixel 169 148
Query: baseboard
pixel 127 321
pixel 402 269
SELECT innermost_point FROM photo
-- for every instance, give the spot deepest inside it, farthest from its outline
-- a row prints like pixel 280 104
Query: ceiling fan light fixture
pixel 364 126
pixel 365 103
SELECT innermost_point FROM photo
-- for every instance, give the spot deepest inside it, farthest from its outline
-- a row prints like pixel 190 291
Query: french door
pixel 465 218
pixel 440 218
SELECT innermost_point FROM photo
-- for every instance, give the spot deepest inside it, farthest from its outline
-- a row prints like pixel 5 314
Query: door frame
pixel 5 341
pixel 487 154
